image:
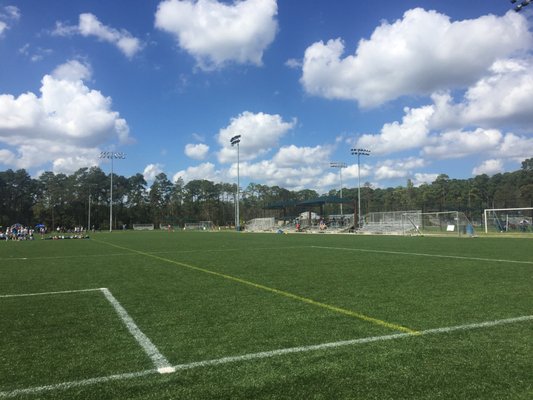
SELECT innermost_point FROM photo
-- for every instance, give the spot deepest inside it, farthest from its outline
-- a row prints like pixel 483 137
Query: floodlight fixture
pixel 340 166
pixel 112 155
pixel 235 140
pixel 359 152
pixel 520 6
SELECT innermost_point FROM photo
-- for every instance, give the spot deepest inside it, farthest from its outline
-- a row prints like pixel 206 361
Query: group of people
pixel 17 232
pixel 20 232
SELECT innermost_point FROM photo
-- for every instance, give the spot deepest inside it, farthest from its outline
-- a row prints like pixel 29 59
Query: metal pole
pixel 340 173
pixel 112 155
pixel 358 189
pixel 89 218
pixel 235 140
pixel 111 197
pixel 238 189
pixel 359 153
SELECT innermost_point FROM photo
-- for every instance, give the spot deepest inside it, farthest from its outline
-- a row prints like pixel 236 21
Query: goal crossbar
pixel 489 210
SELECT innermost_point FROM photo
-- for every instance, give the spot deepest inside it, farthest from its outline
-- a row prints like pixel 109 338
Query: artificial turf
pixel 207 295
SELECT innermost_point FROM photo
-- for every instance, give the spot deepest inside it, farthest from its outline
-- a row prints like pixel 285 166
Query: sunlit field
pixel 201 315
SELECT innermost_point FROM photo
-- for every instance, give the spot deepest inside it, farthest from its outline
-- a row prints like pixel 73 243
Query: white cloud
pixel 259 133
pixel 293 63
pixel 394 169
pixel 215 33
pixel 151 171
pixel 89 25
pixel 421 53
pixel 457 144
pixel 489 167
pixel 202 171
pixel 412 132
pixel 9 15
pixel 293 155
pixel 196 151
pixel 502 98
pixel 421 178
pixel 68 121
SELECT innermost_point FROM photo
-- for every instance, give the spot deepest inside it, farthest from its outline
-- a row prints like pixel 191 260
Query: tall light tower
pixel 340 166
pixel 112 155
pixel 235 140
pixel 359 153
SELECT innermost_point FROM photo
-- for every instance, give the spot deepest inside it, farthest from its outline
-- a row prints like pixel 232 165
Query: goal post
pixel 508 219
pixel 199 226
pixel 143 227
pixel 451 223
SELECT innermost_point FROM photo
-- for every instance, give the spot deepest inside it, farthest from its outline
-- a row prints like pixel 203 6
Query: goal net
pixel 199 226
pixel 391 222
pixel 508 219
pixel 261 224
pixel 454 223
pixel 143 227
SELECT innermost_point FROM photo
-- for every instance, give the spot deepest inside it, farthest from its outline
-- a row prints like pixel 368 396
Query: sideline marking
pixel 162 365
pixel 422 254
pixel 326 306
pixel 261 355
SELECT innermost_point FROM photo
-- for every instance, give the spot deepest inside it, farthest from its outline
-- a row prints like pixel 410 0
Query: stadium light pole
pixel 340 166
pixel 520 6
pixel 235 140
pixel 89 217
pixel 359 153
pixel 112 155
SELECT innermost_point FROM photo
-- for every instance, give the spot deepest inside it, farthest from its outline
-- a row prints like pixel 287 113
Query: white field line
pixel 158 359
pixel 263 355
pixel 48 293
pixel 423 254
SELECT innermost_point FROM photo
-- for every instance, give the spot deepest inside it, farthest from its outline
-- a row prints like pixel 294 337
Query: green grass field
pixel 265 316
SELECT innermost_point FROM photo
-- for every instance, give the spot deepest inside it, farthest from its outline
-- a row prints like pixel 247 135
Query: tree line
pixel 64 200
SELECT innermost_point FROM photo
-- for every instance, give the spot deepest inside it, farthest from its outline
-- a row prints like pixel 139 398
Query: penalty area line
pixel 262 355
pixel 160 362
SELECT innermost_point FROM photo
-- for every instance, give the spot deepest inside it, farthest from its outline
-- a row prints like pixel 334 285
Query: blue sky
pixel 430 87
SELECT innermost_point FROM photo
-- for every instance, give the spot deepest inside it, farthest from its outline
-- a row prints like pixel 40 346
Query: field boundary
pixel 162 365
pixel 406 253
pixel 263 355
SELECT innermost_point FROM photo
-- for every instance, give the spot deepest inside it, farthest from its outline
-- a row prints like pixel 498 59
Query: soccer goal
pixel 199 226
pixel 391 222
pixel 261 224
pixel 440 223
pixel 508 219
pixel 143 227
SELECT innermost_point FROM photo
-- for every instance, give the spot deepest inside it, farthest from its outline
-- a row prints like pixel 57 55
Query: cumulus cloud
pixel 502 98
pixel 411 133
pixel 417 55
pixel 259 134
pixel 394 169
pixel 489 167
pixel 215 33
pixel 9 15
pixel 89 25
pixel 293 155
pixel 196 151
pixel 420 178
pixel 69 120
pixel 206 171
pixel 151 171
pixel 456 144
